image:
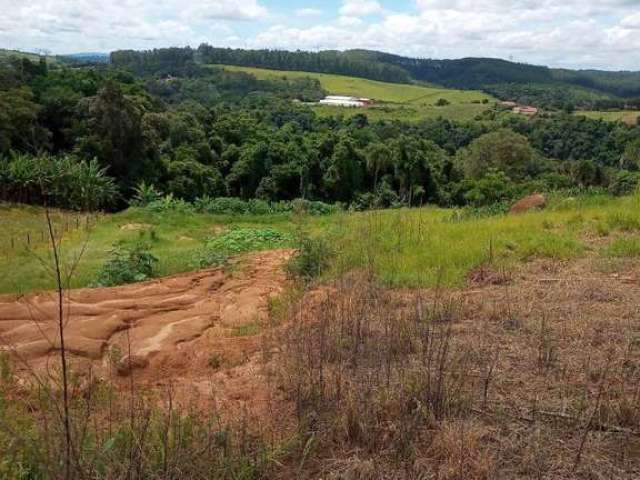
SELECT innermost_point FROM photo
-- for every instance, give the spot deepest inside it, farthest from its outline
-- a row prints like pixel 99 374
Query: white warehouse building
pixel 343 101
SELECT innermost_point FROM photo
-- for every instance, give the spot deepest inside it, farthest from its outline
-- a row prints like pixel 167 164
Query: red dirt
pixel 171 327
pixel 529 203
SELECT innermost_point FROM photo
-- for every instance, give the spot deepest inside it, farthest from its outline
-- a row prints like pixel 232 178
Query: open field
pixel 4 54
pixel 397 101
pixel 174 237
pixel 405 248
pixel 431 246
pixel 626 116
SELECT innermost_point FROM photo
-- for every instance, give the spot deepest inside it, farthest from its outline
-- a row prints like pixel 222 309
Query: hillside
pixel 33 57
pixel 552 87
pixel 393 100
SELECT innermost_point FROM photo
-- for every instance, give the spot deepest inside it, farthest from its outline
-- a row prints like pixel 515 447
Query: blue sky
pixel 568 33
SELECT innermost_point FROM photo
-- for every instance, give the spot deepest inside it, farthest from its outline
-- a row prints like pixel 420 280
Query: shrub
pixel 144 195
pixel 65 182
pixel 217 250
pixel 128 265
pixel 169 203
pixel 237 206
pixel 624 183
pixel 312 258
pixel 248 239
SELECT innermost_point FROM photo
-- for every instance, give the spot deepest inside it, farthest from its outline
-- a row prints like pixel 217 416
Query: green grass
pixel 5 54
pixel 626 116
pixel 175 238
pixel 396 101
pixel 624 247
pixel 426 247
pixel 404 248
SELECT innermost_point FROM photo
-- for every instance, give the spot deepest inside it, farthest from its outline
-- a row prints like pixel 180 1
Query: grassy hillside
pixel 626 116
pixel 418 247
pixel 175 238
pixel 398 101
pixel 6 54
pixel 430 246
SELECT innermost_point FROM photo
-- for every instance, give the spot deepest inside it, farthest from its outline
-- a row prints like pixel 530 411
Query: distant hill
pixel 480 72
pixel 502 78
pixel 89 57
pixel 544 86
pixel 6 54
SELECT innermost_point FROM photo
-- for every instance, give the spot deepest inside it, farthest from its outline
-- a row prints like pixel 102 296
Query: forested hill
pixel 342 63
pixel 546 87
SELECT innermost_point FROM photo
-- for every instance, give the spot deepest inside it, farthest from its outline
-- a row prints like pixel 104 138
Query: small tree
pixel 503 150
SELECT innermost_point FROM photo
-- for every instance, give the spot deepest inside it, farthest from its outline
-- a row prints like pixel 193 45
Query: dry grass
pixel 535 376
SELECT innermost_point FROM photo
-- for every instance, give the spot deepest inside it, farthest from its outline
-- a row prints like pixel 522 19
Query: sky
pixel 569 33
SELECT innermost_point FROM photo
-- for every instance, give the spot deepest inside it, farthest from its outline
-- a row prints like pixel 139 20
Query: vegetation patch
pixel 625 247
pixel 218 249
pixel 128 265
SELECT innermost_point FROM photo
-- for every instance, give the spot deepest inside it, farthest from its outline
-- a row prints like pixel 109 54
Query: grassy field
pixel 397 101
pixel 405 248
pixel 626 116
pixel 175 238
pixel 431 246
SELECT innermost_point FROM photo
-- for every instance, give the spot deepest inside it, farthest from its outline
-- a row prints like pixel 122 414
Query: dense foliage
pixel 168 127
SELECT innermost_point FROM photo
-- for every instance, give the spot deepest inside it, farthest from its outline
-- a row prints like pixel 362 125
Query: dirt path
pixel 154 319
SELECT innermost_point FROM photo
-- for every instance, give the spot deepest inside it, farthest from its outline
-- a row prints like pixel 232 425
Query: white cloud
pixel 65 26
pixel 631 21
pixel 309 12
pixel 349 22
pixel 573 33
pixel 360 8
pixel 226 10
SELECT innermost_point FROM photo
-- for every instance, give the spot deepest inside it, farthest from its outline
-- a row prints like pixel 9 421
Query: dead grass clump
pixel 373 372
pixel 461 450
pixel 487 275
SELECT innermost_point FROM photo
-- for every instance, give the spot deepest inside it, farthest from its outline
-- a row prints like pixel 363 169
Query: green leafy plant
pixel 217 250
pixel 169 203
pixel 145 194
pixel 128 265
pixel 241 240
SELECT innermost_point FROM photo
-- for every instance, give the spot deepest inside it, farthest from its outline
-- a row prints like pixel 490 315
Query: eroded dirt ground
pixel 198 333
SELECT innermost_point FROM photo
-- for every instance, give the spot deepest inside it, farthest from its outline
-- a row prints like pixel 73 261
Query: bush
pixel 127 265
pixel 144 195
pixel 624 183
pixel 237 206
pixel 169 203
pixel 248 239
pixel 312 258
pixel 65 182
pixel 217 250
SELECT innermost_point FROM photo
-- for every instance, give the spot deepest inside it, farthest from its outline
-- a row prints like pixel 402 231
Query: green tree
pixel 378 158
pixel 115 126
pixel 630 159
pixel 19 127
pixel 503 150
pixel 343 176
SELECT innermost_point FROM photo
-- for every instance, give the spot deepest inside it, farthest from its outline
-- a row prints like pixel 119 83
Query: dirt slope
pixel 146 319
